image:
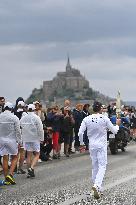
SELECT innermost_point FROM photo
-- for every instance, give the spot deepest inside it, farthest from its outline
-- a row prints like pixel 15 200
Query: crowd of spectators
pixel 61 125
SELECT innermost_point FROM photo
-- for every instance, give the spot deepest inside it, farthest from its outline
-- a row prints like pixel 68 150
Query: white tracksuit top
pixel 96 125
pixel 9 127
pixel 32 128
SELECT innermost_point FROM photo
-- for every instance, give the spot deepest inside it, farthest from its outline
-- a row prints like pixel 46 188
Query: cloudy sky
pixel 37 35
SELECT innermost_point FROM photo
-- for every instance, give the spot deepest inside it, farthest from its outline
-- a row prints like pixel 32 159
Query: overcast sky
pixel 37 35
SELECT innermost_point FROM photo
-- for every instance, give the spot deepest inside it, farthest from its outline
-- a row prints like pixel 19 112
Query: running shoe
pixel 55 156
pixel 96 192
pixel 39 160
pixel 21 171
pixel 50 158
pixel 58 155
pixel 4 182
pixel 10 178
pixel 30 173
pixel 7 183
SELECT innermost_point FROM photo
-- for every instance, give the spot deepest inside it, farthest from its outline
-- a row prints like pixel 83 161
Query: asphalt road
pixel 67 182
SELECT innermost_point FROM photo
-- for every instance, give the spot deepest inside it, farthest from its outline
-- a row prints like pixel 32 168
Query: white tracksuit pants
pixel 99 162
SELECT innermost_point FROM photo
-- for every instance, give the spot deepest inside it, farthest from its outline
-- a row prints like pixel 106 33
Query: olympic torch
pixel 118 105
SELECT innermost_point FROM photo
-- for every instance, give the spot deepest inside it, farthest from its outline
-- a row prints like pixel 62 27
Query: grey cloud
pixel 65 21
pixel 55 51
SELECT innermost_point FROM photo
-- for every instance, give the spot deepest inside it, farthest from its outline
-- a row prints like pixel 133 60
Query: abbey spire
pixel 68 66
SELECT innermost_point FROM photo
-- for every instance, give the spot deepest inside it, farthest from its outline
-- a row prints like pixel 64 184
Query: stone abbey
pixel 70 84
pixel 71 79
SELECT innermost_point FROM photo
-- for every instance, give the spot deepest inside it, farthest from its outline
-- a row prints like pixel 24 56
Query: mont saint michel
pixel 69 84
pixel 65 82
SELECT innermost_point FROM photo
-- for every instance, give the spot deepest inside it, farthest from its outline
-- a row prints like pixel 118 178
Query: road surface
pixel 67 182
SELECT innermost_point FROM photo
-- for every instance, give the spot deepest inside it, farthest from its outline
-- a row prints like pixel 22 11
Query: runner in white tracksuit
pixel 97 125
pixel 32 134
pixel 10 138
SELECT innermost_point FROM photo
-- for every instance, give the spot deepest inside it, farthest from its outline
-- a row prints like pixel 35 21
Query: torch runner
pixel 118 106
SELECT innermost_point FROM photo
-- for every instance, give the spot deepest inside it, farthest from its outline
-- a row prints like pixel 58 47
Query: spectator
pixel 104 110
pixel 2 103
pixel 86 113
pixel 67 103
pixel 17 100
pixel 78 117
pixel 111 109
pixel 66 129
pixel 55 119
pixel 133 123
pixel 46 146
pixel 39 110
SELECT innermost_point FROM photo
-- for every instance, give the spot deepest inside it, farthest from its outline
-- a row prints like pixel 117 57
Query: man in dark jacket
pixel 86 113
pixel 67 125
pixel 78 117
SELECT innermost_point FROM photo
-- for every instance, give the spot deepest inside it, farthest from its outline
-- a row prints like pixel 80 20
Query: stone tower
pixel 71 79
pixel 68 66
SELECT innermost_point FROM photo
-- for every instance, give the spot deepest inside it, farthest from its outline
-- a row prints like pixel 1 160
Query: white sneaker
pixel 9 163
pixel 39 160
pixel 24 161
pixel 96 192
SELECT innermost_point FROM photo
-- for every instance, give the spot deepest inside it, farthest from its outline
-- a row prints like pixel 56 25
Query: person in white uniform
pixel 97 125
pixel 32 135
pixel 20 111
pixel 10 138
